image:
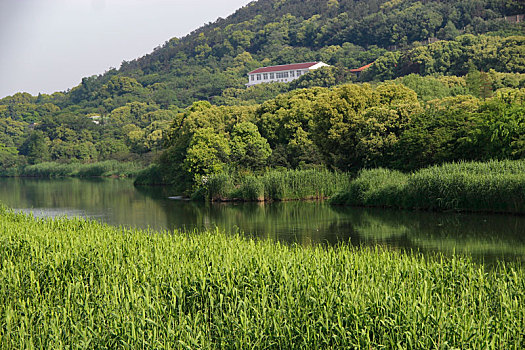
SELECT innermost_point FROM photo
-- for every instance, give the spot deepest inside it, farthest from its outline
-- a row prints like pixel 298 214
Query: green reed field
pixel 74 284
pixel 494 186
pixel 275 185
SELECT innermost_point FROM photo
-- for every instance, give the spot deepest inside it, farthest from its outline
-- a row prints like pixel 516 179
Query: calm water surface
pixel 487 238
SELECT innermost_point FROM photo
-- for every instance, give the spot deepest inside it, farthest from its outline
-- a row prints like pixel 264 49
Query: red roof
pixel 360 69
pixel 284 67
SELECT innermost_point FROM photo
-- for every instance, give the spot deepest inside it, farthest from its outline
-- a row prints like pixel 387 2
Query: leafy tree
pixel 35 147
pixel 336 117
pixel 8 156
pixel 323 77
pixel 478 83
pixel 207 153
pixel 119 85
pixel 248 148
pixel 448 32
pixel 112 149
pixel 384 68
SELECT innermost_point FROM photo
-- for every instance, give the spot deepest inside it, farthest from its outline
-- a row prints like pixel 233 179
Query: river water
pixel 487 238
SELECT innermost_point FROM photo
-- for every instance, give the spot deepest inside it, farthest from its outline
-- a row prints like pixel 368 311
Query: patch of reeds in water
pixel 495 186
pixel 276 185
pixel 77 284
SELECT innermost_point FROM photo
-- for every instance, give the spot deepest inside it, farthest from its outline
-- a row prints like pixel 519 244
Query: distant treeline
pixel 108 168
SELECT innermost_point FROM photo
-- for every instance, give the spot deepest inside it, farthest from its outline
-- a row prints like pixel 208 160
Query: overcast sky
pixel 50 45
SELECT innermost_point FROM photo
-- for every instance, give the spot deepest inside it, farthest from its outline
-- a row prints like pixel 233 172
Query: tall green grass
pixel 495 186
pixel 53 169
pixel 75 284
pixel 276 185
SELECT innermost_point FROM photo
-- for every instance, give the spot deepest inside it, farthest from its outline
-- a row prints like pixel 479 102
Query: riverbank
pixel 65 283
pixel 272 185
pixel 494 186
pixel 110 168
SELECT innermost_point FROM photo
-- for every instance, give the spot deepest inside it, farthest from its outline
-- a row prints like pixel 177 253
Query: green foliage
pixel 374 187
pixel 357 126
pixel 254 95
pixel 478 83
pixel 323 77
pixel 207 153
pixel 429 88
pixel 455 57
pixel 346 127
pixel 384 67
pixel 250 189
pixel 8 156
pixel 101 286
pixel 118 85
pixel 218 186
pixel 128 133
pixel 248 148
pixel 148 176
pixel 344 33
pixel 463 128
pixel 35 147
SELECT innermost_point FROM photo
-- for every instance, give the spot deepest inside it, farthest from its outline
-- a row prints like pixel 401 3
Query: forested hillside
pixel 134 105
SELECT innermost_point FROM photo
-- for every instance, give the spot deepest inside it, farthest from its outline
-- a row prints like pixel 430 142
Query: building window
pixel 253 77
pixel 279 75
pixel 299 73
pixel 272 76
pixel 258 77
pixel 285 74
pixel 292 74
pixel 265 76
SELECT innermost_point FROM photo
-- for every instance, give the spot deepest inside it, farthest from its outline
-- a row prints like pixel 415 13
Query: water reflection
pixel 117 202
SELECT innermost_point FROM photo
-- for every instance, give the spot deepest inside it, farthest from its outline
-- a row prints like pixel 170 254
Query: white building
pixel 96 119
pixel 284 73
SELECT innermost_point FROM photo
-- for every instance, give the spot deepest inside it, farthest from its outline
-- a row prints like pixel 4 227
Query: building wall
pixel 284 76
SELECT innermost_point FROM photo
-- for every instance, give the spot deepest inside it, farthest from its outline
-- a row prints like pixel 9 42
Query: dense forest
pixel 125 114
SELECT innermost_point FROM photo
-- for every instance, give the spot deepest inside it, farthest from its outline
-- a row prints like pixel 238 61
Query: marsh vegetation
pixel 70 283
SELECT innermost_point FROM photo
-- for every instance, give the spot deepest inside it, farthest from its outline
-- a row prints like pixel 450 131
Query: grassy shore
pixel 275 185
pixel 77 284
pixel 495 186
pixel 99 169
